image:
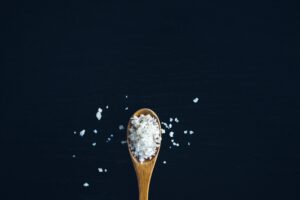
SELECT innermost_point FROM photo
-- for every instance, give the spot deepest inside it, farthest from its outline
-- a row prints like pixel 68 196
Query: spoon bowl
pixel 143 170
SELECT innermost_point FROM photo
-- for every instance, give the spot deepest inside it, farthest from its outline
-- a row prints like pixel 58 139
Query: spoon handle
pixel 144 183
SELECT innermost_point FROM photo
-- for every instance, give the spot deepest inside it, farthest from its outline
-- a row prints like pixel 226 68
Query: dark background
pixel 60 61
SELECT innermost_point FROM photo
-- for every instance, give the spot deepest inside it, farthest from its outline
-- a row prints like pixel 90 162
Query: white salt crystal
pixel 126 96
pixel 191 132
pixel 171 119
pixel 170 147
pixel 185 132
pixel 106 107
pixel 144 137
pixel 94 143
pixel 95 131
pixel 170 125
pixel 165 124
pixel 75 132
pixel 105 170
pixel 111 135
pixel 100 170
pixel 81 133
pixel 189 143
pixel 126 108
pixel 86 185
pixel 163 131
pixel 99 114
pixel 123 142
pixel 171 134
pixel 73 156
pixel 164 162
pixel 196 100
pixel 176 120
pixel 121 127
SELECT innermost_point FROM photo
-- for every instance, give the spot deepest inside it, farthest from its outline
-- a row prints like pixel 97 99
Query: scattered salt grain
pixel 189 143
pixel 123 142
pixel 94 143
pixel 95 131
pixel 165 124
pixel 185 131
pixel 163 131
pixel 105 170
pixel 196 100
pixel 171 134
pixel 82 133
pixel 126 96
pixel 171 119
pixel 126 108
pixel 170 125
pixel 73 156
pixel 86 185
pixel 111 135
pixel 191 132
pixel 75 132
pixel 100 170
pixel 121 127
pixel 107 107
pixel 176 120
pixel 144 137
pixel 99 114
pixel 164 162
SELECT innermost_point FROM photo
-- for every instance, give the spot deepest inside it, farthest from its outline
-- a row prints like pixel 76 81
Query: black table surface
pixel 61 61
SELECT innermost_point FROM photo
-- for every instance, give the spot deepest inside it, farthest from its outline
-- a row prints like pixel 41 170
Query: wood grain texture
pixel 143 170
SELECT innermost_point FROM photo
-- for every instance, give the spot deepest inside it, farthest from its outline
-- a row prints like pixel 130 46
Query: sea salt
pixel 170 125
pixel 171 119
pixel 73 156
pixel 94 143
pixel 185 131
pixel 176 120
pixel 123 142
pixel 99 114
pixel 163 131
pixel 126 96
pixel 191 132
pixel 95 131
pixel 126 108
pixel 81 133
pixel 164 162
pixel 107 107
pixel 189 143
pixel 171 134
pixel 144 137
pixel 121 127
pixel 75 132
pixel 100 170
pixel 86 184
pixel 196 100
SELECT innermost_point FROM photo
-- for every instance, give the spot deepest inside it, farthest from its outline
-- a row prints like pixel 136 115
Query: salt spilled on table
pixel 82 133
pixel 95 131
pixel 196 100
pixel 121 127
pixel 86 184
pixel 144 137
pixel 99 114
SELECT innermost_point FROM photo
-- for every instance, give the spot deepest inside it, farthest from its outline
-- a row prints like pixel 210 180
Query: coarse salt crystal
pixel 126 108
pixel 126 96
pixel 123 142
pixel 94 143
pixel 185 132
pixel 99 114
pixel 100 170
pixel 171 119
pixel 75 132
pixel 171 134
pixel 73 156
pixel 86 185
pixel 95 131
pixel 121 127
pixel 81 133
pixel 189 143
pixel 144 137
pixel 163 131
pixel 107 107
pixel 191 132
pixel 176 120
pixel 170 125
pixel 196 100
pixel 164 162
pixel 105 170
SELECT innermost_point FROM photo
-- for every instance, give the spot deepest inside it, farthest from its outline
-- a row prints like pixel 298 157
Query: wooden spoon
pixel 143 170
